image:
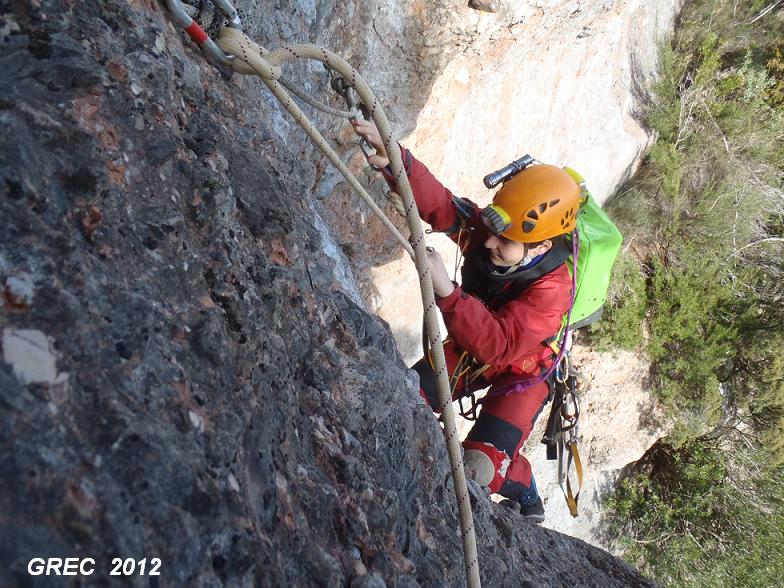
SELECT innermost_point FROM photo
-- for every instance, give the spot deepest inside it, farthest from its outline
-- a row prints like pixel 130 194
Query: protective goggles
pixel 496 219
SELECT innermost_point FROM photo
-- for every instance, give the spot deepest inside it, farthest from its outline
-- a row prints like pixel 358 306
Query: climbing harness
pixel 239 53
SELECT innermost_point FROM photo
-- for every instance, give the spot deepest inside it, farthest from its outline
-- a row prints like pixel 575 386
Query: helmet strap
pixel 525 254
pixel 516 266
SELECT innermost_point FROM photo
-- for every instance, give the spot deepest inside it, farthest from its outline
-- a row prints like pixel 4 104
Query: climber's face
pixel 505 252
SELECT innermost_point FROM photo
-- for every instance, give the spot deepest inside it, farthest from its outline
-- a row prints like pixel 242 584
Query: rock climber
pixel 515 291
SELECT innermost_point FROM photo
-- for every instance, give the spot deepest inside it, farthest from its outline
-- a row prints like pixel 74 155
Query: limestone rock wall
pixel 563 81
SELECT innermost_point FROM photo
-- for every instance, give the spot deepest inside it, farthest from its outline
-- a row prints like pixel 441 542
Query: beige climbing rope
pixel 242 55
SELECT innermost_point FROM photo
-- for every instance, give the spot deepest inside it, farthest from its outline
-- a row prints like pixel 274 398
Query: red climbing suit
pixel 507 334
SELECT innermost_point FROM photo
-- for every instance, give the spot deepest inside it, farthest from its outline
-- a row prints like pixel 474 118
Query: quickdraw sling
pixel 561 432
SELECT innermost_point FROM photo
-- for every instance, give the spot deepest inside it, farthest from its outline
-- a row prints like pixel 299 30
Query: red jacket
pixel 510 336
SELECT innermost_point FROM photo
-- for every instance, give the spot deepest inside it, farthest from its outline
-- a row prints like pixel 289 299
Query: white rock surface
pixel 31 354
pixel 560 84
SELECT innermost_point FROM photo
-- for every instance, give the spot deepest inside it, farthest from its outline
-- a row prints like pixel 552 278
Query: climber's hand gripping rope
pixel 369 133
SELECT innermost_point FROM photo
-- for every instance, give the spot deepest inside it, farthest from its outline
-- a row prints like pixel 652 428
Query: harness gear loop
pixel 561 435
pixel 469 413
pixel 249 60
pixel 465 368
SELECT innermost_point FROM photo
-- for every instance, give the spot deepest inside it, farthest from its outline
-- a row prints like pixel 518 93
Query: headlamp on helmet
pixel 496 219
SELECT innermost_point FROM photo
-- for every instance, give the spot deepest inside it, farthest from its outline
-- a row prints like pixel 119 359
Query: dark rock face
pixel 183 378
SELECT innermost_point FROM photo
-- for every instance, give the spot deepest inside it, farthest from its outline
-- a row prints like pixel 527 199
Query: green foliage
pixel 665 113
pixel 689 338
pixel 728 86
pixel 709 190
pixel 687 488
pixel 702 516
pixel 705 217
pixel 624 308
pixel 710 60
pixel 761 374
pixel 668 160
pixel 775 68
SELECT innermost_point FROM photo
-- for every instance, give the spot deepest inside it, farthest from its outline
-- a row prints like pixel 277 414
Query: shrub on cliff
pixel 701 515
pixel 703 219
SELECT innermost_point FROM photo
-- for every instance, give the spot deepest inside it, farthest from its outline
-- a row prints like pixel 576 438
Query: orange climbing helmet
pixel 537 203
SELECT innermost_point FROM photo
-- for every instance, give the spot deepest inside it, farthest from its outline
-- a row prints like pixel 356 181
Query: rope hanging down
pixel 238 52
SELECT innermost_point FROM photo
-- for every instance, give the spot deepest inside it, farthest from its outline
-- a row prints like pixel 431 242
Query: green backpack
pixel 599 244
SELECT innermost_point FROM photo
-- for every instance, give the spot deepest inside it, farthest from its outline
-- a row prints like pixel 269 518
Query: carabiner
pixel 197 34
pixel 563 369
pixel 343 88
pixel 470 413
pixel 232 16
pixel 570 410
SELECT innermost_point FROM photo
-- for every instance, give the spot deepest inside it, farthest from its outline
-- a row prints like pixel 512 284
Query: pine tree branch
pixel 768 239
pixel 765 12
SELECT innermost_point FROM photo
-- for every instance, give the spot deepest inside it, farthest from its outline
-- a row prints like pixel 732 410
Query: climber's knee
pixel 478 466
pixel 499 463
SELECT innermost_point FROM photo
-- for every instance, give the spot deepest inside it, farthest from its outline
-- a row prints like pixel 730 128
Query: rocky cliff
pixel 188 372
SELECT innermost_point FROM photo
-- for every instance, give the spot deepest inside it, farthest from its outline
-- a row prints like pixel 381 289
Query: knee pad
pixel 478 466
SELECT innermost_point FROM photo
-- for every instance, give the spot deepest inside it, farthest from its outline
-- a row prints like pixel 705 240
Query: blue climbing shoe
pixel 534 512
pixel 529 504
